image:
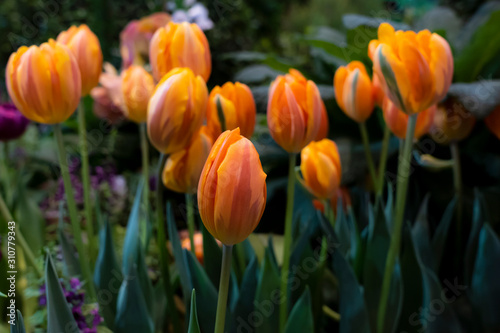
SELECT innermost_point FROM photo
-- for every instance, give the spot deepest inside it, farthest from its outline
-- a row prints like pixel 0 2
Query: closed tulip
pixel 86 48
pixel 353 91
pixel 492 121
pixel 232 190
pixel 397 120
pixel 452 122
pixel 12 123
pixel 176 110
pixel 294 111
pixel 44 82
pixel 320 168
pixel 137 87
pixel 238 107
pixel 180 45
pixel 415 69
pixel 183 168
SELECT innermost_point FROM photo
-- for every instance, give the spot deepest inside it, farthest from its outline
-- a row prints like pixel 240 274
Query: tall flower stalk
pixel 225 274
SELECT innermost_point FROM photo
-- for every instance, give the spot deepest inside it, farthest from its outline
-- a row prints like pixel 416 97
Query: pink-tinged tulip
pixel 415 70
pixel 44 82
pixel 137 87
pixel 12 123
pixel 86 48
pixel 176 110
pixel 294 111
pixel 180 45
pixel 397 120
pixel 232 190
pixel 108 98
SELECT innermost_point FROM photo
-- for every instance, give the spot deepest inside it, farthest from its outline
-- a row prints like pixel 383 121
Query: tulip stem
pixel 329 212
pixel 82 133
pixel 145 162
pixel 401 191
pixel 287 246
pixel 190 221
pixel 73 213
pixel 369 160
pixel 162 245
pixel 383 161
pixel 457 182
pixel 225 273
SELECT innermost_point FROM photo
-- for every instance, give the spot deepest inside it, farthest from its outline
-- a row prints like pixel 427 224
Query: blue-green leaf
pixel 301 317
pixel 421 235
pixel 442 230
pixel 29 217
pixel 193 327
pixel 18 326
pixel 212 256
pixel 479 217
pixel 71 262
pixel 132 240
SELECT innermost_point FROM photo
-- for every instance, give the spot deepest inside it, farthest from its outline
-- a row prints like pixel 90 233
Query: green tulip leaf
pixel 193 327
pixel 479 217
pixel 421 235
pixel 132 240
pixel 212 256
pixel 18 327
pixel 71 262
pixel 301 317
pixel 442 230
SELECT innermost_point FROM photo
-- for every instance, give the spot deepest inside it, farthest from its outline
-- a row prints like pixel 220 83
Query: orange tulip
pixel 176 110
pixel 452 122
pixel 86 48
pixel 294 111
pixel 397 120
pixel 378 92
pixel 492 121
pixel 183 169
pixel 44 82
pixel 238 107
pixel 353 91
pixel 137 87
pixel 415 70
pixel 232 190
pixel 323 125
pixel 180 45
pixel 321 169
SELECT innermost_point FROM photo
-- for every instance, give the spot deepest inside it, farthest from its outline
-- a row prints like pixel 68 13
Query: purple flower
pixel 12 123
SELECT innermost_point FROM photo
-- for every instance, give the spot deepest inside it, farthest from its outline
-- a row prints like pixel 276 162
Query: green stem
pixel 190 221
pixel 369 160
pixel 82 132
pixel 457 182
pixel 20 238
pixel 401 191
pixel 145 162
pixel 73 213
pixel 162 244
pixel 287 246
pixel 225 273
pixel 383 161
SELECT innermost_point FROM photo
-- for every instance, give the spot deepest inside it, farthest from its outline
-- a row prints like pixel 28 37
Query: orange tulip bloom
pixel 232 190
pixel 452 122
pixel 44 82
pixel 323 125
pixel 492 121
pixel 397 120
pixel 183 169
pixel 180 45
pixel 353 91
pixel 137 87
pixel 238 107
pixel 86 48
pixel 176 110
pixel 415 70
pixel 321 169
pixel 294 111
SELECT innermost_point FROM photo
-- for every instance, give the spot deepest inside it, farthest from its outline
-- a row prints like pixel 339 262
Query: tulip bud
pixel 452 122
pixel 238 107
pixel 397 120
pixel 12 123
pixel 85 46
pixel 415 70
pixel 137 87
pixel 492 121
pixel 183 169
pixel 353 91
pixel 321 169
pixel 176 110
pixel 294 111
pixel 44 82
pixel 180 45
pixel 232 190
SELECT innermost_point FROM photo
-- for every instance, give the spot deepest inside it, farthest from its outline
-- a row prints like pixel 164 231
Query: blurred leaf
pixel 485 289
pixel 389 206
pixel 193 317
pixel 478 219
pixel 254 74
pixel 244 305
pixel 59 316
pixel 421 235
pixel 352 21
pixel 131 242
pixel 442 230
pixel 480 98
pixel 2 294
pixel 132 314
pixel 441 19
pixel 30 219
pixel 342 228
pixel 301 317
pixel 71 265
pixel 18 327
pixel 212 256
pixel 107 275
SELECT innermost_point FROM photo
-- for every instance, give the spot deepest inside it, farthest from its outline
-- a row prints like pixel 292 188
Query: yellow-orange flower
pixel 137 87
pixel 180 45
pixel 452 122
pixel 492 121
pixel 294 111
pixel 320 168
pixel 86 48
pixel 397 120
pixel 44 82
pixel 176 110
pixel 238 107
pixel 232 190
pixel 415 70
pixel 353 91
pixel 183 168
